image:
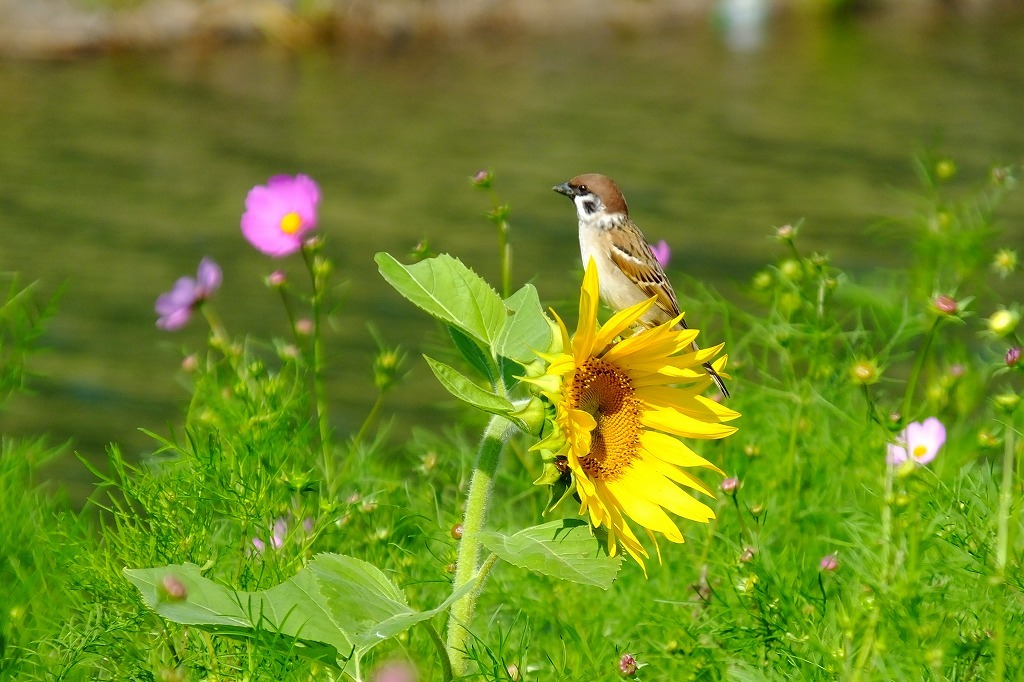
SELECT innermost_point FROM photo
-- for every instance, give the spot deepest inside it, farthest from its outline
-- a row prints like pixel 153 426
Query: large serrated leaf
pixel 449 291
pixel 472 353
pixel 337 605
pixel 564 549
pixel 526 330
pixel 463 388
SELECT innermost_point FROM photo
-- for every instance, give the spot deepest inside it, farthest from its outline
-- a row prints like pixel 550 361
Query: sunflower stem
pixel 495 436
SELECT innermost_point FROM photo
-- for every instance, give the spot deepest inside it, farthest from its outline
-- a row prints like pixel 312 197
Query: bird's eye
pixel 582 189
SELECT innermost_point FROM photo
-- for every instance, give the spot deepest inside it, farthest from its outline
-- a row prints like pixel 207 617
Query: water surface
pixel 118 174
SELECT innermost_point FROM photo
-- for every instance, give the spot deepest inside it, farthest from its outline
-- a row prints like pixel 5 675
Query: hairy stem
pixel 466 567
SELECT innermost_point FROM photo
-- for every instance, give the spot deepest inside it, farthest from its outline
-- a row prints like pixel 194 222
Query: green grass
pixel 928 583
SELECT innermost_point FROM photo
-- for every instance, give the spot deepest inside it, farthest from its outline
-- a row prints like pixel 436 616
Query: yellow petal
pixel 670 421
pixel 621 321
pixel 668 449
pixel 632 500
pixel 674 473
pixel 586 326
pixel 697 406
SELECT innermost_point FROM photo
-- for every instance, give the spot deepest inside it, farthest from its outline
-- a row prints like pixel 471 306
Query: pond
pixel 119 173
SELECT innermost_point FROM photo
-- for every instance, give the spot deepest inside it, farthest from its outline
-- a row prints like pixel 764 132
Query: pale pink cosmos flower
pixel 919 442
pixel 662 253
pixel 175 306
pixel 280 214
pixel 395 671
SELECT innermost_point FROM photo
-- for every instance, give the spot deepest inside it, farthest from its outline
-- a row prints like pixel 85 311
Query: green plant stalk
pixel 504 244
pixel 291 317
pixel 870 631
pixel 319 385
pixel 1002 546
pixel 915 373
pixel 506 259
pixel 221 339
pixel 370 417
pixel 446 663
pixel 495 436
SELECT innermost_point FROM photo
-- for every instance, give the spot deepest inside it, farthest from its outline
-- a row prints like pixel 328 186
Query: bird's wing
pixel 644 269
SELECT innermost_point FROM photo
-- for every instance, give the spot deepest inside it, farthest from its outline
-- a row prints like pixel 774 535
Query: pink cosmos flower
pixel 919 442
pixel 175 306
pixel 662 253
pixel 395 671
pixel 280 214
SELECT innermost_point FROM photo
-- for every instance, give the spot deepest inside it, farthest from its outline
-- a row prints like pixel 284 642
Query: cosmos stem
pixel 495 436
pixel 319 388
pixel 915 373
pixel 1002 545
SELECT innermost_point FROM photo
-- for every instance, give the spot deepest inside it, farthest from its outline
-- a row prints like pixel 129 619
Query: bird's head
pixel 596 197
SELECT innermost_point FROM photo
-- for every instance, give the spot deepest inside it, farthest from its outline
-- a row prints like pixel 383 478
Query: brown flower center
pixel 605 392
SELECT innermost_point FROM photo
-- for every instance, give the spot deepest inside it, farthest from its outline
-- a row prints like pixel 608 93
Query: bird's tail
pixel 717 379
pixel 707 365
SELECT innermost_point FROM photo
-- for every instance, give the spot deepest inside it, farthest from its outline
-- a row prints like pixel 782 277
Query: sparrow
pixel 627 269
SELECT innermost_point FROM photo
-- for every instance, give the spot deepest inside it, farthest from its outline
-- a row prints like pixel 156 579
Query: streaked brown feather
pixel 648 274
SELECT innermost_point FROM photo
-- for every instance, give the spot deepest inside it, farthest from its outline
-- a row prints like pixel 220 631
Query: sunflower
pixel 619 406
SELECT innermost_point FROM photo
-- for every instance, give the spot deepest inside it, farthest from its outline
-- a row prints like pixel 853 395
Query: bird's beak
pixel 565 189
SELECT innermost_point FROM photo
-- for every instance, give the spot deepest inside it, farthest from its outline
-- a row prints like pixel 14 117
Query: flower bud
pixel 946 305
pixel 1004 262
pixel 864 372
pixel 1013 355
pixel 457 530
pixel 792 269
pixel 172 589
pixel 829 563
pixel 785 233
pixel 482 179
pixel 762 280
pixel 304 326
pixel 276 279
pixel 1003 322
pixel 730 485
pixel 748 554
pixel 386 368
pixel 945 169
pixel 628 665
pixel 1007 401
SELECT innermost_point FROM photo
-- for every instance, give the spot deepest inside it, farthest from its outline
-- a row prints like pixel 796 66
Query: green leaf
pixel 526 329
pixel 332 608
pixel 449 291
pixel 472 352
pixel 564 549
pixel 463 388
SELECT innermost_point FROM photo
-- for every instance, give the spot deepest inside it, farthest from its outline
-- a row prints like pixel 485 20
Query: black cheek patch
pixel 590 207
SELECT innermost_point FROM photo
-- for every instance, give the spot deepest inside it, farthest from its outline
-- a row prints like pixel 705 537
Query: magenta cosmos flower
pixel 175 307
pixel 278 215
pixel 919 442
pixel 661 253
